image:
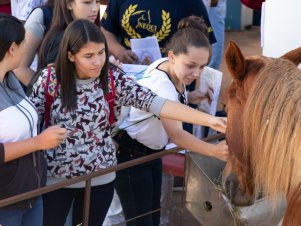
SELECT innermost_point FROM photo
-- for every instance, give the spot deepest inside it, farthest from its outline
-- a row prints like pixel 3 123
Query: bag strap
pixel 49 99
pixel 110 97
pixel 112 82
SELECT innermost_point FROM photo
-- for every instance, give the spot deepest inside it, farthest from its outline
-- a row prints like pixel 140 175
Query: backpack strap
pixel 112 82
pixel 49 98
pixel 110 96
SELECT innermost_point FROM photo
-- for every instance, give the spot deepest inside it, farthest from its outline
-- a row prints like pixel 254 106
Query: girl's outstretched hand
pixel 218 123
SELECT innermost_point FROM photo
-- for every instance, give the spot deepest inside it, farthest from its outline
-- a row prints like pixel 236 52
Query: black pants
pixel 139 190
pixel 57 205
pixel 138 187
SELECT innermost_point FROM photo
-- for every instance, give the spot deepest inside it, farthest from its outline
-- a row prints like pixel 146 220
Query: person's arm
pixel 180 112
pixel 111 27
pixel 187 141
pixel 24 72
pixel 130 93
pixel 49 138
pixel 117 50
pixel 34 35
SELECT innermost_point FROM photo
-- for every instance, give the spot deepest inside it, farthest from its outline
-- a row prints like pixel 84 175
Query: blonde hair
pixel 272 128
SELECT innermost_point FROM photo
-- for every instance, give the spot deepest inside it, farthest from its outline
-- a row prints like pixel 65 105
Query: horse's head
pixel 238 183
pixel 238 174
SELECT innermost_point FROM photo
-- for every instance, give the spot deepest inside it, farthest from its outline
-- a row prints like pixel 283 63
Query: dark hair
pixel 62 16
pixel 11 31
pixel 192 31
pixel 77 34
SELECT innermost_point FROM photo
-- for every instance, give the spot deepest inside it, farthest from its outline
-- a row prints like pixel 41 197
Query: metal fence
pixel 88 177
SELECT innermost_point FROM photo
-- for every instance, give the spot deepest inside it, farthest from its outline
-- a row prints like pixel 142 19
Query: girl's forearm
pixel 114 46
pixel 18 149
pixel 180 112
pixel 189 142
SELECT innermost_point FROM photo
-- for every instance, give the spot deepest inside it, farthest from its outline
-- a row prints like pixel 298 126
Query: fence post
pixel 87 203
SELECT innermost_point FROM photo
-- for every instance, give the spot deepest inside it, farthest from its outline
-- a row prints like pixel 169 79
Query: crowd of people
pixel 61 50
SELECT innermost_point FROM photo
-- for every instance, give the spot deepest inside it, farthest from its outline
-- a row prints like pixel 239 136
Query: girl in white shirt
pixel 139 187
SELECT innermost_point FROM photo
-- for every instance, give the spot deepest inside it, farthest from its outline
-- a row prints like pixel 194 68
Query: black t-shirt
pixel 138 19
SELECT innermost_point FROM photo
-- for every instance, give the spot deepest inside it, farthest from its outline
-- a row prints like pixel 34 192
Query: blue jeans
pixel 139 190
pixel 217 17
pixel 29 217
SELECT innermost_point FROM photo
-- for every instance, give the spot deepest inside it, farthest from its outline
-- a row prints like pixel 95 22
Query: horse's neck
pixel 292 216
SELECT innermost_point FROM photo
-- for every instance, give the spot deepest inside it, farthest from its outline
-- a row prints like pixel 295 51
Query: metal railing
pixel 88 177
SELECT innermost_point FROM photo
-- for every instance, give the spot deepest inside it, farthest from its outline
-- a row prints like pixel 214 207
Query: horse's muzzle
pixel 236 195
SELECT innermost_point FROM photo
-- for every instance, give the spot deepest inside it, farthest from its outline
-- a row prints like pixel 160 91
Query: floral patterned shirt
pixel 88 146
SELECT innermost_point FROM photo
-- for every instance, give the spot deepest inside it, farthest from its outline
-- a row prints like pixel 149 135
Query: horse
pixel 261 135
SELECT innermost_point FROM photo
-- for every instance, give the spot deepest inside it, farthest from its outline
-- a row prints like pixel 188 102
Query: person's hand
pixel 113 60
pixel 127 56
pixel 218 123
pixel 221 152
pixel 197 96
pixel 51 137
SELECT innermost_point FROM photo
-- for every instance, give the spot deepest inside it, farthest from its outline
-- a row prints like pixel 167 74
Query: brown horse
pixel 259 102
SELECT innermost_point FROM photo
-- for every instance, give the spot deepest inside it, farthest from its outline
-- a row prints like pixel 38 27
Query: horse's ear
pixel 293 55
pixel 235 61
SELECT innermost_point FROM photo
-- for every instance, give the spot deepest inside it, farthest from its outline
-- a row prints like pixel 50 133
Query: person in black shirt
pixel 124 20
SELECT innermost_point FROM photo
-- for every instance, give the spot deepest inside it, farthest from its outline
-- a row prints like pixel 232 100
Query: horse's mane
pixel 272 127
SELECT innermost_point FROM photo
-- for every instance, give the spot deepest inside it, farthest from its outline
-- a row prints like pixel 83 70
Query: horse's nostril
pixel 207 206
pixel 231 187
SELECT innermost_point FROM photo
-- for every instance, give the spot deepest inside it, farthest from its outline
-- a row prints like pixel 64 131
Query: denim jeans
pixel 217 17
pixel 139 190
pixel 29 217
